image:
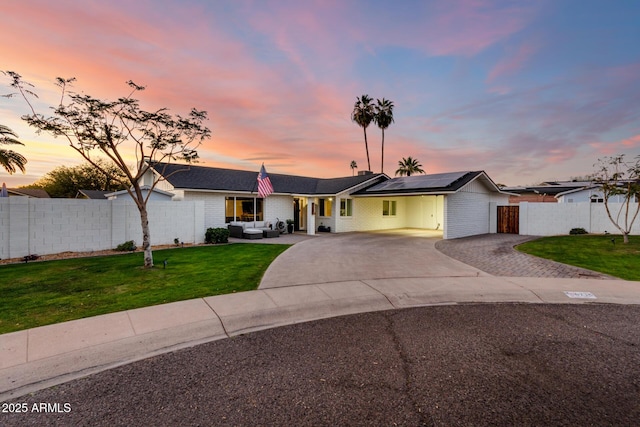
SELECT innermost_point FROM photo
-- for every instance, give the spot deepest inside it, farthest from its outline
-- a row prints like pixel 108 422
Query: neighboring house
pixel 156 194
pixel 28 192
pixel 591 193
pixel 543 193
pixel 460 204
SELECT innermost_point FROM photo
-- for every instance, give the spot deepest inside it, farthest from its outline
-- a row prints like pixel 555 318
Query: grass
pixel 42 293
pixel 595 252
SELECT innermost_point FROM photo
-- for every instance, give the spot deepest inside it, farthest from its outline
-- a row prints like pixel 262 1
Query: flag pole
pixel 255 182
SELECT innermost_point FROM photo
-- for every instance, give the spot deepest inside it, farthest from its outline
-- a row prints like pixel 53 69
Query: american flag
pixel 264 183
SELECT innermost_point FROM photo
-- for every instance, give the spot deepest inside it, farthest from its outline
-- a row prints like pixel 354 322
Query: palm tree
pixel 383 118
pixel 409 166
pixel 10 160
pixel 353 167
pixel 363 114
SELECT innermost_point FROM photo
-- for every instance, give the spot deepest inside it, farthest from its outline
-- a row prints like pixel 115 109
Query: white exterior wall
pixel 214 207
pixel 548 219
pixel 467 212
pixel 352 223
pixel 48 226
pixel 425 212
pixel 344 223
pixel 280 207
pixel 367 215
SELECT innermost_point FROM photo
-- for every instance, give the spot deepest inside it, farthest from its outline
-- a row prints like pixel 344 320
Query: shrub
pixel 578 231
pixel 128 246
pixel 216 235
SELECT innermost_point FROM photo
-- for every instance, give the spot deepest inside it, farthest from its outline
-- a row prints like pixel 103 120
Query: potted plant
pixel 290 226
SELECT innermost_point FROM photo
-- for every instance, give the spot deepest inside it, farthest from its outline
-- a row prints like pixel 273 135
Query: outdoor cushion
pixel 252 233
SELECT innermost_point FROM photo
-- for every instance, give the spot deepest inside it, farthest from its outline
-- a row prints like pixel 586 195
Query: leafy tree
pixel 66 181
pixel 363 114
pixel 620 178
pixel 409 166
pixel 353 167
pixel 9 159
pixel 383 118
pixel 115 129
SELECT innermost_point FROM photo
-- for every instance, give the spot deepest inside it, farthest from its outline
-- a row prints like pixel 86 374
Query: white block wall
pixel 548 219
pixel 48 226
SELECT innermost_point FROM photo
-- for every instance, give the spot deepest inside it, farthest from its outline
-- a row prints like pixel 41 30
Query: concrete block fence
pixel 48 226
pixel 548 219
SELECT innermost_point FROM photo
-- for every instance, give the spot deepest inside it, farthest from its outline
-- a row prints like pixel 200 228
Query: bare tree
pixel 620 178
pixel 115 129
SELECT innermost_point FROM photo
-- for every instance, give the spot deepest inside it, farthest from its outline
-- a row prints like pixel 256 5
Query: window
pixel 244 209
pixel 345 207
pixel 325 207
pixel 388 208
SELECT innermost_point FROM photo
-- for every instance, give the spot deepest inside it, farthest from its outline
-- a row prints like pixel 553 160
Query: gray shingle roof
pixel 29 192
pixel 209 178
pixel 94 194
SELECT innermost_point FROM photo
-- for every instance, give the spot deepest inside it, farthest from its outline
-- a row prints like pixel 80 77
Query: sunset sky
pixel 525 90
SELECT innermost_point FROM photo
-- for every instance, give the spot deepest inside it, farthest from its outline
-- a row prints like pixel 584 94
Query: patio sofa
pixel 252 229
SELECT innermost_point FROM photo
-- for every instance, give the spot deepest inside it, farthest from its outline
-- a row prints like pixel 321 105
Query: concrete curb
pixel 41 357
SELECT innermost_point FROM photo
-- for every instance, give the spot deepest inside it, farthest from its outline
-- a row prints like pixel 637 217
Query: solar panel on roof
pixel 419 182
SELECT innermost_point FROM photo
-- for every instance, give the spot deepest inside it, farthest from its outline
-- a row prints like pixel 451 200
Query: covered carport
pixel 458 203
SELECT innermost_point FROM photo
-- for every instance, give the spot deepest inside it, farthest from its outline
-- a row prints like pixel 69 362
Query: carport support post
pixel 312 205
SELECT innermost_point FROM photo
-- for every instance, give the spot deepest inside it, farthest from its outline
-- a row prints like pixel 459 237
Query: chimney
pixel 361 173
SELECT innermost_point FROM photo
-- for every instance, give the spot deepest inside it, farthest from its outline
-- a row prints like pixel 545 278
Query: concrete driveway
pixel 360 256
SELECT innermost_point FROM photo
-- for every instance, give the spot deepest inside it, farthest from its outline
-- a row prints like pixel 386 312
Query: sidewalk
pixel 41 357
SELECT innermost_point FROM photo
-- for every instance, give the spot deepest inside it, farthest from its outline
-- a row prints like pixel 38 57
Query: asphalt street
pixel 485 364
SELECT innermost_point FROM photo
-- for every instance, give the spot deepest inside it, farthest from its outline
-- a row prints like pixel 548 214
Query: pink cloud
pixel 615 147
pixel 466 27
pixel 631 142
pixel 512 63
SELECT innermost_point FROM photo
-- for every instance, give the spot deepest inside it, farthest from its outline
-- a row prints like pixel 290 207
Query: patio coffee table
pixel 270 233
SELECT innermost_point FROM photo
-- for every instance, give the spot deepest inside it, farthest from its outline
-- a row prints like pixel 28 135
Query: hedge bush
pixel 578 231
pixel 128 246
pixel 216 235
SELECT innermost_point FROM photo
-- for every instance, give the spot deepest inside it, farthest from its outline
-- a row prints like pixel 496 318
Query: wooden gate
pixel 508 219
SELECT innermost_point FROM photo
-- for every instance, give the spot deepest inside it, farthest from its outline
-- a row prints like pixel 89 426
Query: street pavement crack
pixel 424 416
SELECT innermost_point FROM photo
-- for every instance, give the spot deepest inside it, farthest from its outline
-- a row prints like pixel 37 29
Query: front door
pixel 296 214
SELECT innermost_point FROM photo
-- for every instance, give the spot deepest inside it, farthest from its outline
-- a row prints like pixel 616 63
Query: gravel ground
pixel 491 364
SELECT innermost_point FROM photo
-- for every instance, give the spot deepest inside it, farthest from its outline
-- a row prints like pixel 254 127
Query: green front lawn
pixel 595 252
pixel 42 293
